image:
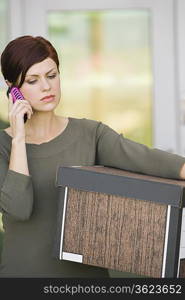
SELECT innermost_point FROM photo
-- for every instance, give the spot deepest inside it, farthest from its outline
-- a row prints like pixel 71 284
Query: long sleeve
pixel 113 150
pixel 16 192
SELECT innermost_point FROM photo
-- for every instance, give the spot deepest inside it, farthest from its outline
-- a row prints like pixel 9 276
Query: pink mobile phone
pixel 16 95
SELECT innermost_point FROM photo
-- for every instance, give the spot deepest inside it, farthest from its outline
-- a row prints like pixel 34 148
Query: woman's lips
pixel 48 98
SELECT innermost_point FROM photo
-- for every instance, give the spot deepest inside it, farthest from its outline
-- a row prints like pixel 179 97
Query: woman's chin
pixel 47 108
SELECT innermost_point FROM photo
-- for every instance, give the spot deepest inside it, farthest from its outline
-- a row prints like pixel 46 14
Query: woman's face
pixel 41 86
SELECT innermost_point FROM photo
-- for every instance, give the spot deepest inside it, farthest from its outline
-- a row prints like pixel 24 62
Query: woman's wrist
pixel 18 140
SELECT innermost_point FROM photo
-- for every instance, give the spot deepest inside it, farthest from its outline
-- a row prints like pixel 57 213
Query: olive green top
pixel 29 203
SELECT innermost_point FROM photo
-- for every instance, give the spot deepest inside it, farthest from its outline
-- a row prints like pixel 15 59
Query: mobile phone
pixel 17 95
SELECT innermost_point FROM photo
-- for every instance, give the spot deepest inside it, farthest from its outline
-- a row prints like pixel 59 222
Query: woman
pixel 31 152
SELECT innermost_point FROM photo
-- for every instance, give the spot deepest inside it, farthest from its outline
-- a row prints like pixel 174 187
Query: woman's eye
pixel 35 80
pixel 32 81
pixel 52 76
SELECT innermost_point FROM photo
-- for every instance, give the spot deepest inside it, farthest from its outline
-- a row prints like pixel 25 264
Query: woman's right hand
pixel 17 111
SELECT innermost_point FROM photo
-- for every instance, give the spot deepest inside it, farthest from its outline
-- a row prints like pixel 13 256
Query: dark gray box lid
pixel 122 183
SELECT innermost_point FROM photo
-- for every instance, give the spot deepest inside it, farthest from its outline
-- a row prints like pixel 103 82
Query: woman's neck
pixel 43 128
pixel 43 125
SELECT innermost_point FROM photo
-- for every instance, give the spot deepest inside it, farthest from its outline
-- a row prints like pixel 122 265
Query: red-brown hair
pixel 23 52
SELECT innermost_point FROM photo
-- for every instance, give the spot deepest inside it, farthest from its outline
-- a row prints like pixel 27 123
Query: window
pixel 106 70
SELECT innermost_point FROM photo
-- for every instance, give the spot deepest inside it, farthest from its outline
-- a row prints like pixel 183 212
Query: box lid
pixel 123 183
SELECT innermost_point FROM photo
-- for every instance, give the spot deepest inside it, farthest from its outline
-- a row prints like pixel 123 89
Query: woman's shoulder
pixel 5 142
pixel 4 133
pixel 85 122
pixel 90 126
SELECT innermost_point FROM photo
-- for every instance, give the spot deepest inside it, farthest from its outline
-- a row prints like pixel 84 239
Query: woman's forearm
pixel 18 157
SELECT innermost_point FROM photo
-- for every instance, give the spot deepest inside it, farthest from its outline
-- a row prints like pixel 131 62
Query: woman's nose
pixel 45 84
